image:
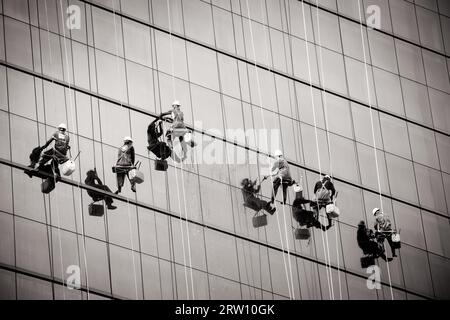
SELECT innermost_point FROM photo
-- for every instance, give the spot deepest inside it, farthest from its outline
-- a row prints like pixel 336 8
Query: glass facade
pixel 369 105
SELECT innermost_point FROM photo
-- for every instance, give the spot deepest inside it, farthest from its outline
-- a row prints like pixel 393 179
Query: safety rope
pixel 75 127
pixel 52 161
pixel 330 156
pixel 289 276
pixel 373 132
pixel 128 201
pixel 325 244
pixel 176 174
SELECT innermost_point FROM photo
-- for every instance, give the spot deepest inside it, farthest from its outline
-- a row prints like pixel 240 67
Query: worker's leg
pixel 276 185
pixel 120 181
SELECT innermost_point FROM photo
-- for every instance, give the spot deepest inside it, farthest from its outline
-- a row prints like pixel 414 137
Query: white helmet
pixel 62 126
pixel 278 153
pixel 176 103
pixel 298 188
pixel 127 139
pixel 375 211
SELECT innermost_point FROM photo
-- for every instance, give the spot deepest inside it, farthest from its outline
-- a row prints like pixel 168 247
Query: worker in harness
pixel 249 192
pixel 280 170
pixel 60 148
pixel 125 162
pixel 177 129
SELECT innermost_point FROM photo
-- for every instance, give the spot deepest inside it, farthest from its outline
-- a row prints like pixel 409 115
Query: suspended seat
pixel 302 234
pixel 96 209
pixel 259 220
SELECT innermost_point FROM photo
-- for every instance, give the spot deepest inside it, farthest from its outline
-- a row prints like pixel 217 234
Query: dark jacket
pixel 328 185
pixel 249 190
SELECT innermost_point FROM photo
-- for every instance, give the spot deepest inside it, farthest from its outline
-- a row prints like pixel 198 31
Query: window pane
pixel 437 233
pixel 423 146
pixel 401 178
pixel 431 192
pixel 18 43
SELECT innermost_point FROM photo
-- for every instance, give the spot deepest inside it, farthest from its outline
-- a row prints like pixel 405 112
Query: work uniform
pixel 178 129
pixel 251 201
pixel 59 150
pixel 125 162
pixel 383 224
pixel 283 178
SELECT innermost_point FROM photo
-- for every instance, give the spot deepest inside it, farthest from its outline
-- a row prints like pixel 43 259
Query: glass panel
pixel 21 94
pixel 416 270
pixel 436 71
pixel 416 100
pixel 8 285
pixel 32 246
pixel 429 29
pixel 443 144
pixel 371 169
pixel 389 91
pixel 222 25
pixel 440 269
pixel 105 25
pixel 137 42
pixel 332 70
pixel 409 220
pixel 437 233
pixel 423 146
pixel 221 256
pixel 404 20
pixel 198 21
pixel 126 284
pixel 410 61
pixel 202 66
pixel 401 178
pixel 18 43
pixel 431 192
pixel 393 127
pixel 328 26
pixel 29 288
pixel 222 289
pixel 382 51
pixel 439 107
pixel 6 239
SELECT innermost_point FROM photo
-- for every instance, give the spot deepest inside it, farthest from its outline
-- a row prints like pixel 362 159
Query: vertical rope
pixel 288 275
pixel 373 131
pixel 329 146
pixel 128 201
pixel 327 262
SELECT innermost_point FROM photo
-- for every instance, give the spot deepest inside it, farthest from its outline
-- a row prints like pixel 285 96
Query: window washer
pixel 159 148
pixel 280 169
pixel 306 218
pixel 177 129
pixel 59 150
pixel 324 191
pixel 94 181
pixel 125 162
pixel 367 242
pixel 251 200
pixel 383 228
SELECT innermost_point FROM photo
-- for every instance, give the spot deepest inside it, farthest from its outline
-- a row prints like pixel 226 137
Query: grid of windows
pixel 315 74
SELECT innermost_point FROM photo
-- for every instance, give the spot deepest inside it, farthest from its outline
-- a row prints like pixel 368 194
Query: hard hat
pixel 127 139
pixel 375 211
pixel 62 126
pixel 326 177
pixel 298 188
pixel 176 103
pixel 361 223
pixel 278 153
